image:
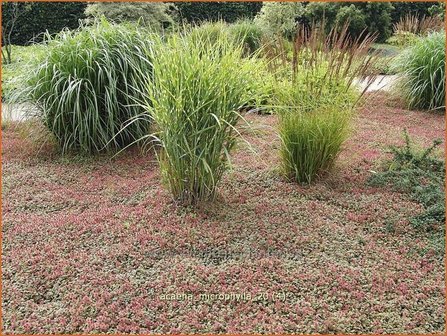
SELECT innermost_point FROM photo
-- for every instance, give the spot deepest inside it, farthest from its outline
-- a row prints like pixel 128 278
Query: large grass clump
pixel 315 106
pixel 422 66
pixel 194 100
pixel 88 85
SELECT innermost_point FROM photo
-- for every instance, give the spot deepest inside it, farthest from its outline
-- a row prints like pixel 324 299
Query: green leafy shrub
pixel 87 86
pixel 374 16
pixel 194 100
pixel 316 106
pixel 423 68
pixel 421 174
pixel 280 17
pixel 402 39
pixel 156 15
pixel 261 86
pixel 354 16
pixel 420 8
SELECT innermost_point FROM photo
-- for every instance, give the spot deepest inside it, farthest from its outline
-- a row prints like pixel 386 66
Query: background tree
pixel 280 17
pixel 12 11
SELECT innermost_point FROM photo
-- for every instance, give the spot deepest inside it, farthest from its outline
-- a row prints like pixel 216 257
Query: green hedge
pixel 37 17
pixel 212 11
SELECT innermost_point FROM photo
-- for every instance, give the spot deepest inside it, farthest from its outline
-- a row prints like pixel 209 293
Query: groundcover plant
pixel 277 192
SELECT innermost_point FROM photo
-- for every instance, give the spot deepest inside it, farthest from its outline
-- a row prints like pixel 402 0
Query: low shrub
pixel 422 66
pixel 421 174
pixel 87 86
pixel 194 100
pixel 315 107
pixel 261 86
pixel 402 38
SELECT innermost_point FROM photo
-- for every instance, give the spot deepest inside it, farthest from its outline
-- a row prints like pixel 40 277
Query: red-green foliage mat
pixel 92 245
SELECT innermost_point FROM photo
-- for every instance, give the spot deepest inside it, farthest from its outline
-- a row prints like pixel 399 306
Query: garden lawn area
pixel 97 245
pixel 21 55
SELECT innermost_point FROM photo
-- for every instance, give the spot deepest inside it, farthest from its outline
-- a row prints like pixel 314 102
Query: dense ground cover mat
pixel 93 245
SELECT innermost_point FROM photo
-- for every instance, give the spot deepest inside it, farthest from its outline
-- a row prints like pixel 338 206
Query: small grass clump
pixel 423 68
pixel 88 84
pixel 316 105
pixel 311 141
pixel 194 100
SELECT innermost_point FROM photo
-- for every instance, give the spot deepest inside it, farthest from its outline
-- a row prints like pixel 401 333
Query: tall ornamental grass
pixel 209 34
pixel 249 34
pixel 88 85
pixel 316 105
pixel 312 127
pixel 422 66
pixel 194 100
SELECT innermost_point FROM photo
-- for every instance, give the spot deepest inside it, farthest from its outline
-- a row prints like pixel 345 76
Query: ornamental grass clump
pixel 209 34
pixel 249 34
pixel 422 67
pixel 88 85
pixel 316 105
pixel 194 100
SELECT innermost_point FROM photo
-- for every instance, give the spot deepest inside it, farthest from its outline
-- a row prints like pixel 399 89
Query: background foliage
pixel 53 16
pixel 212 11
pixel 38 17
pixel 156 15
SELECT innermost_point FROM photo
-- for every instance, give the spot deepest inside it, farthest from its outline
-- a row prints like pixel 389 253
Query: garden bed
pixel 97 245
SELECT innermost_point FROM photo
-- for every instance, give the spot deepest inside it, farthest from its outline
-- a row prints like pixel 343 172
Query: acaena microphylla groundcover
pixel 97 245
